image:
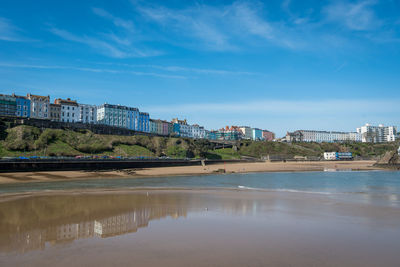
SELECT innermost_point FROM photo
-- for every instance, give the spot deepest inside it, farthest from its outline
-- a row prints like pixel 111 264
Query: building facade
pixel 211 135
pixel 267 135
pixel 87 113
pixel 377 134
pixel 338 155
pixel 40 106
pixel 8 105
pixel 228 133
pixel 123 116
pixel 143 122
pixel 69 110
pixel 55 112
pixel 153 126
pixel 23 106
pixel 247 132
pixel 181 127
pixel 322 136
pixel 257 134
pixel 196 131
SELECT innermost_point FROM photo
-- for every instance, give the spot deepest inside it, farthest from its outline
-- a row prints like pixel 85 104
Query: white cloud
pixel 200 22
pixel 9 32
pixel 223 28
pixel 181 69
pixel 95 70
pixel 106 48
pixel 119 22
pixel 355 16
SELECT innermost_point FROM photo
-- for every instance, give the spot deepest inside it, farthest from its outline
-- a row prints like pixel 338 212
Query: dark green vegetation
pixel 364 150
pixel 31 141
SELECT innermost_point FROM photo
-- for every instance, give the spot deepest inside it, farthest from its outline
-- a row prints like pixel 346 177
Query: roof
pixel 38 96
pixel 67 101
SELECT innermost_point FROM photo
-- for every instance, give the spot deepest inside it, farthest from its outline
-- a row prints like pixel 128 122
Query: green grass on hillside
pixel 130 151
pixel 31 141
pixel 226 153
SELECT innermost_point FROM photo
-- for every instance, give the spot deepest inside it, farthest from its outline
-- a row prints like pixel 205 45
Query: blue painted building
pixel 176 129
pixel 23 106
pixel 257 134
pixel 144 122
pixel 211 135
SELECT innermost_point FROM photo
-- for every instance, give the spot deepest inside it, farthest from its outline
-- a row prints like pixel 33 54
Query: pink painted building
pixel 268 136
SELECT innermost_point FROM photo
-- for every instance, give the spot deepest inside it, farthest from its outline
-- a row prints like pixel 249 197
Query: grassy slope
pixel 30 141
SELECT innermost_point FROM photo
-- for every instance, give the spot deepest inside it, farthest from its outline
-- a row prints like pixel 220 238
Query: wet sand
pixel 16 177
pixel 195 228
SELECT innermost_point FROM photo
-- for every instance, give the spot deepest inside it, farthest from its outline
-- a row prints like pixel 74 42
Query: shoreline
pixel 229 168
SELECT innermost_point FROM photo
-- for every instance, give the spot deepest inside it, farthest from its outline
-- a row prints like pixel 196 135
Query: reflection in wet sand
pixel 197 228
pixel 29 223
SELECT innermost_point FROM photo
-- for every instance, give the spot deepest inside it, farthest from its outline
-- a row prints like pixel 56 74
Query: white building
pixel 330 155
pixel 197 131
pixel 123 116
pixel 322 136
pixel 87 113
pixel 40 106
pixel 377 134
pixel 69 110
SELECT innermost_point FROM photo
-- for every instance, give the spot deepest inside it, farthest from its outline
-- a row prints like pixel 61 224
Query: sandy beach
pixel 18 177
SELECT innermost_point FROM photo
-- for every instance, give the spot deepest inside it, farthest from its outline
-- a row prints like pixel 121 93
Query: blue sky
pixel 278 65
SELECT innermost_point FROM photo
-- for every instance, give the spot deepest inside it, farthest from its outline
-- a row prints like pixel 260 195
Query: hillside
pixel 31 141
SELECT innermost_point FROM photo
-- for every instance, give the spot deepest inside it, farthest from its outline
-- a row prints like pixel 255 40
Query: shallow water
pixel 260 219
pixel 380 187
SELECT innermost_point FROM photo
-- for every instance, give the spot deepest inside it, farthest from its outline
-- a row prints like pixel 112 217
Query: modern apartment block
pixel 8 105
pixel 69 110
pixel 40 106
pixel 124 117
pixel 118 116
pixel 87 113
pixel 322 136
pixel 377 134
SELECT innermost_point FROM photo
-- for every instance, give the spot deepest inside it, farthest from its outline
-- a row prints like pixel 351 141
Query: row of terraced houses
pixel 71 111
